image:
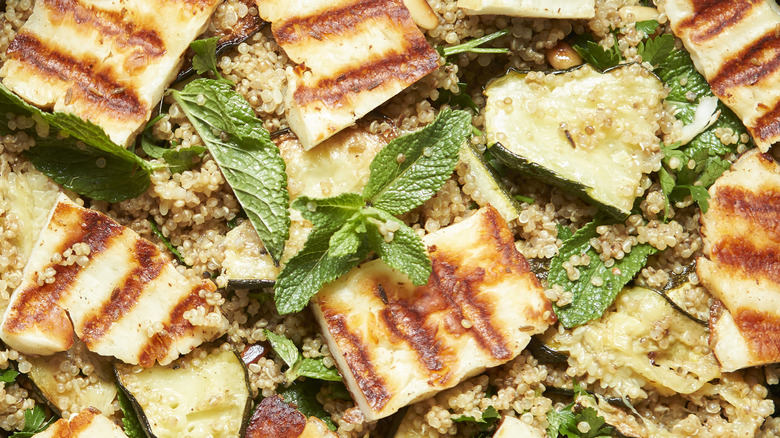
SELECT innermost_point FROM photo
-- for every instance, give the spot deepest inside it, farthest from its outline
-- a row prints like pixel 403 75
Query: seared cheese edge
pixel 531 8
pixel 88 423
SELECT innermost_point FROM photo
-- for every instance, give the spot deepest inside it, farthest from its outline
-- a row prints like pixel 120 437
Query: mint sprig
pixel 589 300
pixel 407 172
pixel 82 158
pixel 249 160
pixel 297 364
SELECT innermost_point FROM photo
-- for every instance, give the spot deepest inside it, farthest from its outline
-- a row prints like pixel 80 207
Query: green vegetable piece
pixel 132 425
pixel 248 158
pixel 657 49
pixel 303 394
pixel 410 169
pixel 34 422
pixel 590 301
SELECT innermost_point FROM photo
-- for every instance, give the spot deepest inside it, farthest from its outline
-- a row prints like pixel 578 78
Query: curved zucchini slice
pixel 193 396
pixel 588 132
pixel 487 186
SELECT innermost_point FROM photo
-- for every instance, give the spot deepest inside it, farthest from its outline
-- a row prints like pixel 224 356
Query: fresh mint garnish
pixel 297 364
pixel 82 158
pixel 205 58
pixel 34 422
pixel 130 421
pixel 407 172
pixel 473 46
pixel 485 423
pixel 592 297
pixel 248 158
pixel 177 159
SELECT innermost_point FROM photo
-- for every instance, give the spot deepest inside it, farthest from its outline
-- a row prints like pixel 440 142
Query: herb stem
pixel 473 45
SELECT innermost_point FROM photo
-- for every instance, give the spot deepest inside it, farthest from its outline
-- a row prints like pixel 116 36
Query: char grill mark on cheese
pixel 760 330
pixel 90 83
pixel 767 127
pixel 108 23
pixel 124 298
pixel 713 16
pixel 407 66
pixel 370 382
pixel 761 209
pixel 743 255
pixel 752 64
pixel 406 323
pixel 41 303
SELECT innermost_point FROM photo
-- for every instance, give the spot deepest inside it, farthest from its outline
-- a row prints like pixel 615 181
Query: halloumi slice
pixel 123 298
pixel 511 427
pixel 741 263
pixel 352 56
pixel 735 44
pixel 395 343
pixel 107 61
pixel 531 8
pixel 88 423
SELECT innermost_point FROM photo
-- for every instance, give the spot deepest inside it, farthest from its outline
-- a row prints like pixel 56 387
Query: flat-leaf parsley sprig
pixel 348 227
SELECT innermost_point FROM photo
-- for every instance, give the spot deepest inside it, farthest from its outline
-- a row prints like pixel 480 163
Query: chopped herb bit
pixel 303 394
pixel 297 364
pixel 130 421
pixel 34 422
pixel 8 376
pixel 461 99
pixel 205 58
pixel 595 54
pixel 473 45
pixel 526 199
pixel 647 27
pixel 156 231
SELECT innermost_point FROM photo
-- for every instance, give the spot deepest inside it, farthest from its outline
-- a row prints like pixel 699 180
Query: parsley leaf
pixel 82 158
pixel 595 54
pixel 205 58
pixel 429 157
pixel 590 301
pixel 8 376
pixel 473 45
pixel 130 421
pixel 34 422
pixel 249 160
pixel 647 27
pixel 657 49
pixel 303 394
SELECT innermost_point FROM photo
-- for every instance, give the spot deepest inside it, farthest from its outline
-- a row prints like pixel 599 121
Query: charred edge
pixel 37 303
pixel 711 17
pixel 409 325
pixel 459 292
pixel 355 353
pixel 149 264
pixel 158 346
pixel 407 67
pixel 97 87
pixel 338 21
pixel 760 209
pixel 275 418
pixel 109 23
pixel 751 261
pixel 749 66
pixel 80 422
pixel 767 127
pixel 761 331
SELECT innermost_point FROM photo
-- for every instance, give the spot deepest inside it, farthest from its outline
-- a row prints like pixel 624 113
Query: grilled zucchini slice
pixel 198 396
pixel 588 132
pixel 483 185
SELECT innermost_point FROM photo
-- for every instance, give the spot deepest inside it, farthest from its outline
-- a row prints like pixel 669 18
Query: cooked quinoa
pixel 196 208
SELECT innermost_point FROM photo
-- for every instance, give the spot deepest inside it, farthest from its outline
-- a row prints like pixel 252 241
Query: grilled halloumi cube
pixel 90 277
pixel 532 8
pixel 741 263
pixel 734 44
pixel 105 61
pixel 353 55
pixel 88 423
pixel 511 427
pixel 395 343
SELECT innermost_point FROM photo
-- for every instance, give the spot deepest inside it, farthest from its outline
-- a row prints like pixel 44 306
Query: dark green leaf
pixel 182 159
pixel 656 50
pixel 132 425
pixel 700 195
pixel 314 368
pixel 461 99
pixel 486 422
pixel 590 301
pixel 284 348
pixel 303 394
pixel 8 376
pixel 248 158
pixel 473 45
pixel 404 252
pixel 34 422
pixel 205 58
pixel 338 391
pixel 350 237
pixel 667 185
pixel 647 27
pixel 429 158
pixel 596 55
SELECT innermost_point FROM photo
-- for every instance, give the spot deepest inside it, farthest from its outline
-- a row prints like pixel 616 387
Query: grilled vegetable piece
pixel 203 394
pixel 90 277
pixel 511 427
pixel 624 338
pixel 353 55
pixel 96 391
pixel 105 61
pixel 532 8
pixel 734 43
pixel 338 165
pixel 88 423
pixel 741 236
pixel 273 418
pixel 588 132
pixel 484 186
pixel 395 343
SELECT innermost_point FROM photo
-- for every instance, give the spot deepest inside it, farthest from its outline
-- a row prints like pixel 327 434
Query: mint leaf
pixel 283 347
pixel 656 50
pixel 182 159
pixel 205 58
pixel 590 301
pixel 303 394
pixel 130 421
pixel 8 376
pixel 404 252
pixel 348 238
pixel 314 368
pixel 473 45
pixel 34 422
pixel 596 55
pixel 647 27
pixel 248 158
pixel 85 160
pixel 429 158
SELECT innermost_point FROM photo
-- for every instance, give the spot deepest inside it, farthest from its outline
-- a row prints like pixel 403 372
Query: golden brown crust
pixel 275 418
pixel 760 329
pixel 714 16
